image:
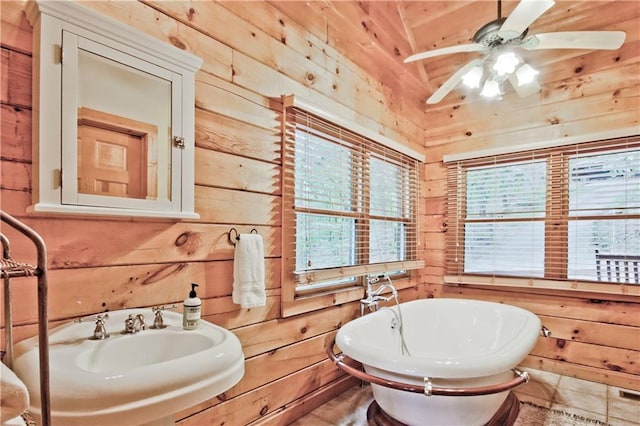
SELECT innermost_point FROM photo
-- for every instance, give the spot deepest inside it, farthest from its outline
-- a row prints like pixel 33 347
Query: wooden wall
pixel 251 55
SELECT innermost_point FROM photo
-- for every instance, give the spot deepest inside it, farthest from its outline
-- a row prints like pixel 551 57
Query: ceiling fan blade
pixel 522 16
pixel 526 89
pixel 452 82
pixel 471 47
pixel 596 40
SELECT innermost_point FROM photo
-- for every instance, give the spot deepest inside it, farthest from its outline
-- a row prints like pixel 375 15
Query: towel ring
pixel 232 240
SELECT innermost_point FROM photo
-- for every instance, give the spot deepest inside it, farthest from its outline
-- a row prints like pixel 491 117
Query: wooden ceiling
pixel 378 35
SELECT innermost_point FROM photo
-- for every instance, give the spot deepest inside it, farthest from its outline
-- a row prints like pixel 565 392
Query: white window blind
pixel 569 213
pixel 354 204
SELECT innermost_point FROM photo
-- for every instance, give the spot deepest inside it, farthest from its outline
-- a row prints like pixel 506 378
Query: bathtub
pixel 462 356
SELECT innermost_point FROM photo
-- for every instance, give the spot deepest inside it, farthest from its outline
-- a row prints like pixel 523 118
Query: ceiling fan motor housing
pixel 488 36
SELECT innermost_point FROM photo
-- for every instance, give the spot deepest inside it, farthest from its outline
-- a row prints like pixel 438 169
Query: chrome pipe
pixel 427 389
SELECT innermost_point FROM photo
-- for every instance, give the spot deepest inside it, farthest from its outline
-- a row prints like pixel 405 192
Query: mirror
pixel 124 130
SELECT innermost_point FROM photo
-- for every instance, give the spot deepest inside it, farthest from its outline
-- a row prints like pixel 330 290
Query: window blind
pixel 351 204
pixel 557 214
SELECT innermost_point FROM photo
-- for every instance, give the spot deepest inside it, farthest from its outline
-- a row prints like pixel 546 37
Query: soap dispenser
pixel 192 310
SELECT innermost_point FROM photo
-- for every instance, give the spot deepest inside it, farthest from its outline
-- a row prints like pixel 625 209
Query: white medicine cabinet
pixel 113 117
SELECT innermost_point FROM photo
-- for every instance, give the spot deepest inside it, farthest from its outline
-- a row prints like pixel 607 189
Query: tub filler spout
pixel 376 296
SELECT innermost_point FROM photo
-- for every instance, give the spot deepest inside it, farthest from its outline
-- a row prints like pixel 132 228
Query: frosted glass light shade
pixel 473 77
pixel 506 63
pixel 491 89
pixel 526 74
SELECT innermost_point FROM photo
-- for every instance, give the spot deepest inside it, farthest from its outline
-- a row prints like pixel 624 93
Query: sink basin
pixel 143 349
pixel 130 379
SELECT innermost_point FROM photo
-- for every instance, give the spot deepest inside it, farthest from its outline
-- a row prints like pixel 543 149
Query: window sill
pixel 105 211
pixel 305 304
pixel 581 287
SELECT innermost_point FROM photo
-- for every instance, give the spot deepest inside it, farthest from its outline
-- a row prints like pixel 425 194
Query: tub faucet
pixel 133 324
pixel 375 296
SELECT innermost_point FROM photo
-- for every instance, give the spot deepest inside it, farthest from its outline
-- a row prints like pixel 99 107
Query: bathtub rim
pixel 436 367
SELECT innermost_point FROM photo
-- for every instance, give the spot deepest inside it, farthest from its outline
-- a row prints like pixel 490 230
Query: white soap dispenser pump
pixel 192 310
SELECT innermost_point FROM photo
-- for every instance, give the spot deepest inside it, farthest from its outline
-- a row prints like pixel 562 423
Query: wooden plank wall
pixel 595 337
pixel 251 55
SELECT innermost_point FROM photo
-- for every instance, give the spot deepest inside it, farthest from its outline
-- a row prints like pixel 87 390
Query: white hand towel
pixel 248 271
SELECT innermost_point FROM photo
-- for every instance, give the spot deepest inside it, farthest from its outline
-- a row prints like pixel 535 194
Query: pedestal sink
pixel 130 379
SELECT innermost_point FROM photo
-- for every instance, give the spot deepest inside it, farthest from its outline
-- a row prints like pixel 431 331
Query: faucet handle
pixel 163 307
pixel 100 318
pixel 372 279
pixel 100 333
pixel 96 317
pixel 158 321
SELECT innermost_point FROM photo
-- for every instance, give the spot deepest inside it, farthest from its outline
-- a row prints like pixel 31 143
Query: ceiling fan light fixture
pixel 472 78
pixel 500 64
pixel 491 89
pixel 526 74
pixel 506 63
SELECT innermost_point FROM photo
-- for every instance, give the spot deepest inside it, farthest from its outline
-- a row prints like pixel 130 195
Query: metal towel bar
pixel 233 240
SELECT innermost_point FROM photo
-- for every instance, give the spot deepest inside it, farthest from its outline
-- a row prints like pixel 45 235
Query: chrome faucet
pixel 133 324
pixel 158 321
pixel 100 333
pixel 375 296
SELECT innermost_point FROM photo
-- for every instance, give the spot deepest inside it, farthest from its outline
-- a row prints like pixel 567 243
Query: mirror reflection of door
pixel 115 156
pixel 124 127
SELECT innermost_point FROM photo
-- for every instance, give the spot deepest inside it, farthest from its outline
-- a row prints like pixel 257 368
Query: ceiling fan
pixel 499 38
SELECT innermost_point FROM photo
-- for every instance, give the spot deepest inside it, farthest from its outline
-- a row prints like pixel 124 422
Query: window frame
pixel 557 218
pixel 329 294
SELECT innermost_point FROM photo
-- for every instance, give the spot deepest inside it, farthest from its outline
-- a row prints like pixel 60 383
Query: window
pixel 504 206
pixel 554 215
pixel 604 213
pixel 114 133
pixel 351 202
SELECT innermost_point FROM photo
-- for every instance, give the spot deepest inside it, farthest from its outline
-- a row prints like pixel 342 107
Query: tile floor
pixel 587 399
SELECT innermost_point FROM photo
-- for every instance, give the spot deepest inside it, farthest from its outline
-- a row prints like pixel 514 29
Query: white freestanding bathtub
pixel 454 344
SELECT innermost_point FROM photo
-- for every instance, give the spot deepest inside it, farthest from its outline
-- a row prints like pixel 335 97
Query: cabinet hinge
pixel 58 54
pixel 178 141
pixel 57 178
